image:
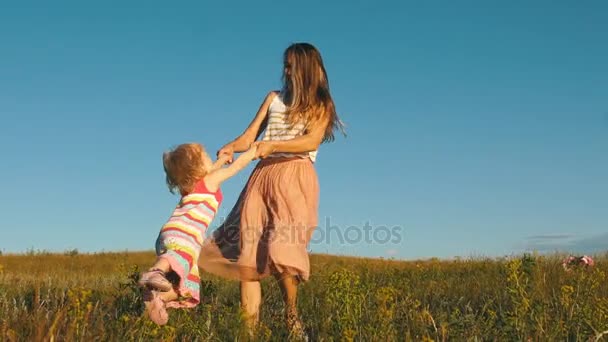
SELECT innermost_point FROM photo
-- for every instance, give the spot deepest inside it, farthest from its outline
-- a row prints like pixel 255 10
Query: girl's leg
pixel 155 277
pixel 161 264
pixel 168 296
pixel 251 297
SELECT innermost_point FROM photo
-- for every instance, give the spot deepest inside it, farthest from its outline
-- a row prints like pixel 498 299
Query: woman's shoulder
pixel 273 94
pixel 275 101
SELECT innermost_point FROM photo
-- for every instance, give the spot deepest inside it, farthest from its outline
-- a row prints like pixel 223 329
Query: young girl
pixel 190 171
pixel 277 211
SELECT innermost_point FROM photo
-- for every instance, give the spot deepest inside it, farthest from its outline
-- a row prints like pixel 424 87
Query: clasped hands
pixel 258 149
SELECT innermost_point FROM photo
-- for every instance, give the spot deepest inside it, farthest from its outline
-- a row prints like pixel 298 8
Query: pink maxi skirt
pixel 269 228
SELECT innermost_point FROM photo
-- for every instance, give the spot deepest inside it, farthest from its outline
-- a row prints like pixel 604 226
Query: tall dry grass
pixel 93 297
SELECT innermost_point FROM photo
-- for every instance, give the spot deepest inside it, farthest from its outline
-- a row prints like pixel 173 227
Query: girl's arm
pixel 220 162
pixel 214 179
pixel 304 143
pixel 253 131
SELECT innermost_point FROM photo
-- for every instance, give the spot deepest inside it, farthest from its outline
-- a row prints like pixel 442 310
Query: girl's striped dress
pixel 181 238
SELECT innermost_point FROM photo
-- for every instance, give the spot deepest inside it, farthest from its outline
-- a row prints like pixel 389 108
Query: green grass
pixel 93 297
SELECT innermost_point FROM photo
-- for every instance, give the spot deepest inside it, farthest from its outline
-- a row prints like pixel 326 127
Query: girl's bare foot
pixel 155 307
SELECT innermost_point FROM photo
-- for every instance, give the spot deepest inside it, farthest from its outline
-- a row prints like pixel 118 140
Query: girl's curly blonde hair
pixel 184 167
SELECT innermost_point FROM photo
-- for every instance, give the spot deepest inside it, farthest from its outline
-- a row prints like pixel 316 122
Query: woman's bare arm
pixel 304 143
pixel 242 142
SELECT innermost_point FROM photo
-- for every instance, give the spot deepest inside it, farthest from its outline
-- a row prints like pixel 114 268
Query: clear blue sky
pixel 479 127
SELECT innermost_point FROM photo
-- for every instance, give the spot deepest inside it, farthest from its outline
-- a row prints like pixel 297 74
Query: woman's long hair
pixel 306 89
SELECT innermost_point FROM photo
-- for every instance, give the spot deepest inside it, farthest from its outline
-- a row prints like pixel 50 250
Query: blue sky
pixel 478 128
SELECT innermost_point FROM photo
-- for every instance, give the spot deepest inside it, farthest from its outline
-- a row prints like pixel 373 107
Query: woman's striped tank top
pixel 278 128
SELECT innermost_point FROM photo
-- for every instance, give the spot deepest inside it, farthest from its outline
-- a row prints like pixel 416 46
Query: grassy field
pixel 93 297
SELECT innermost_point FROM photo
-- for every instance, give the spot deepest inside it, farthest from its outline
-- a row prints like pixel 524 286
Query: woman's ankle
pixel 250 322
pixel 295 326
pixel 291 316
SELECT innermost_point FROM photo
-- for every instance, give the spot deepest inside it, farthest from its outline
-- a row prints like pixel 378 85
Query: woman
pixel 269 228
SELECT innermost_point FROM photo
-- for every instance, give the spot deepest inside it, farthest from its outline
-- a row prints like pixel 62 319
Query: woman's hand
pixel 228 151
pixel 264 149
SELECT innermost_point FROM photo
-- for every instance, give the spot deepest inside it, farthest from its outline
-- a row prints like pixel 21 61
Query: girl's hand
pixel 228 151
pixel 217 177
pixel 220 162
pixel 250 154
pixel 264 149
